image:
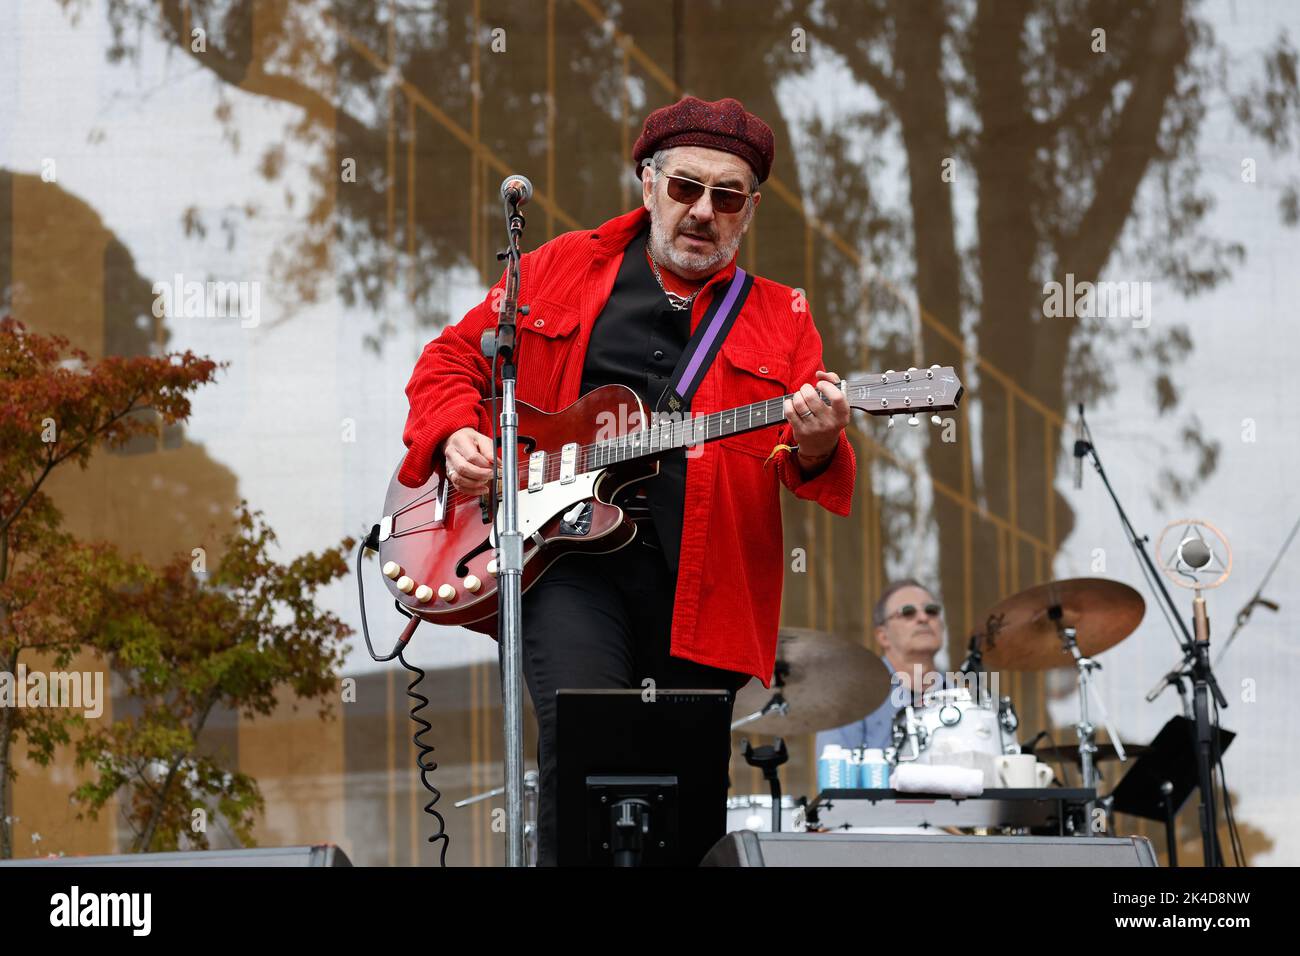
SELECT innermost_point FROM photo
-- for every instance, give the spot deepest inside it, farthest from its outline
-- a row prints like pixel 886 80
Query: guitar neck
pixel 911 392
pixel 670 435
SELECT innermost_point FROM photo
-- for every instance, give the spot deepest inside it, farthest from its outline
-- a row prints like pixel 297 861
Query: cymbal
pixel 1061 752
pixel 1020 634
pixel 827 681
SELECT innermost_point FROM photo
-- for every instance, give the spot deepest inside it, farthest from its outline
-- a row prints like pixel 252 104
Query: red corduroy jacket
pixel 732 562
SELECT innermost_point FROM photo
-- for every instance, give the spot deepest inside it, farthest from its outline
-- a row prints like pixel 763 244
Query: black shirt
pixel 637 341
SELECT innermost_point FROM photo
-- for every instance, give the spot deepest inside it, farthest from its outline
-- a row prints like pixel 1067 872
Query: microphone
pixel 516 189
pixel 1080 449
pixel 1194 552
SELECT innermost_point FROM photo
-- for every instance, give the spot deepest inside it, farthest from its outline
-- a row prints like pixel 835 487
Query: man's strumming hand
pixel 468 454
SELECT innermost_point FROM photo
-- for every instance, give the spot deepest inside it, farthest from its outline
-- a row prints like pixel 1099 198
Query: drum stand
pixel 1085 728
pixel 775 705
pixel 769 760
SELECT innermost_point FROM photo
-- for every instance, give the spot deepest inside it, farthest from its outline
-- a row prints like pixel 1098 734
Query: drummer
pixel 909 629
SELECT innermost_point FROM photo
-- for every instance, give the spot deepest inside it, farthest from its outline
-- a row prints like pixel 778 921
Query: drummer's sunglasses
pixel 688 193
pixel 909 611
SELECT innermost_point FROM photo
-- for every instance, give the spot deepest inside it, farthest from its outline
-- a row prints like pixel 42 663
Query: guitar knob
pixel 405 584
pixel 447 593
pixel 423 593
pixel 392 570
pixel 472 584
pixel 492 567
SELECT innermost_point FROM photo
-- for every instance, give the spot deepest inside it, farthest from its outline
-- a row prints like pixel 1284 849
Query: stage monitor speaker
pixel 321 855
pixel 747 848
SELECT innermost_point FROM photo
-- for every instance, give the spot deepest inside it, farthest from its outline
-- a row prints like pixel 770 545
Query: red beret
pixel 723 125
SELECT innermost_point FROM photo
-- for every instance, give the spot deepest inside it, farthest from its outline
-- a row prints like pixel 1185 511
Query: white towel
pixel 924 778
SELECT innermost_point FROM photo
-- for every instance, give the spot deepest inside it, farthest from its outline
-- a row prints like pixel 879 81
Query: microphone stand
pixel 1258 599
pixel 509 542
pixel 1196 659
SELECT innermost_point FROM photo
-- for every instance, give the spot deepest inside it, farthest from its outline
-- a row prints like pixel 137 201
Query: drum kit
pixel 822 681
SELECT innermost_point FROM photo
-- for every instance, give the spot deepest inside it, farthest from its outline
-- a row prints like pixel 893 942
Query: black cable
pixel 372 543
pixel 1234 836
pixel 424 765
pixel 423 761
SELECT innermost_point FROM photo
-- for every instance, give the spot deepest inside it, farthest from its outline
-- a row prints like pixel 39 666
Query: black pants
pixel 603 621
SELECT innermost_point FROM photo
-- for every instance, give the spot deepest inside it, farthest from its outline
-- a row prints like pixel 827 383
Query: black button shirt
pixel 637 341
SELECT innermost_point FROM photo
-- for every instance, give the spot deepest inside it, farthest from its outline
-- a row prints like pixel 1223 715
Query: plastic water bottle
pixel 833 769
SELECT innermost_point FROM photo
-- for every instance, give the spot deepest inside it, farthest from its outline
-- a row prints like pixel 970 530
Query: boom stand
pixel 1195 662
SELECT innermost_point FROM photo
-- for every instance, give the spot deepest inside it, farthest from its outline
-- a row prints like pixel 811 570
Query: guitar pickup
pixel 568 463
pixel 536 470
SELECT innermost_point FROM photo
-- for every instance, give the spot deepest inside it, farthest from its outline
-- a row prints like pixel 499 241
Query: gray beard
pixel 669 256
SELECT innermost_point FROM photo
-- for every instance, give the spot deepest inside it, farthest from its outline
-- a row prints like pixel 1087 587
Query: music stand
pixel 1161 780
pixel 642 779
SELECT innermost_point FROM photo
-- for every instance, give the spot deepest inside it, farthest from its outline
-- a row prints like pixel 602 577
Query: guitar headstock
pixel 916 391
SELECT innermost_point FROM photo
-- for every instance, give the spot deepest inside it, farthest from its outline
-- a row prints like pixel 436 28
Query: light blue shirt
pixel 873 731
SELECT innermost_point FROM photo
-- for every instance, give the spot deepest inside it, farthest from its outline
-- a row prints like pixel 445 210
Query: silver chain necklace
pixel 678 302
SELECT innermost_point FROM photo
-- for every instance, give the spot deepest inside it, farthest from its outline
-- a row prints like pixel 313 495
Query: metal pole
pixel 510 552
pixel 510 565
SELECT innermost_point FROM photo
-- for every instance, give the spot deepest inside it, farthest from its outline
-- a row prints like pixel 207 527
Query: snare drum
pixel 753 811
pixel 953 728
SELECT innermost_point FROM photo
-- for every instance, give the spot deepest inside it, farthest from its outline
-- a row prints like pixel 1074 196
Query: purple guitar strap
pixel 703 347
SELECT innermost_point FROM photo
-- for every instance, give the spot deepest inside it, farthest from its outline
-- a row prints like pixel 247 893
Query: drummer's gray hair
pixel 878 613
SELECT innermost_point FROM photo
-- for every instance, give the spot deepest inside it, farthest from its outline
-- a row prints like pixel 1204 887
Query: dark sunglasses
pixel 688 193
pixel 908 611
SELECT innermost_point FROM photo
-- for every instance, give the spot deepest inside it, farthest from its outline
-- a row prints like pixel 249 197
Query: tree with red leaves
pixel 56 408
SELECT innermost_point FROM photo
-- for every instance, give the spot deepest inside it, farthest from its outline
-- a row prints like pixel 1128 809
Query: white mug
pixel 1022 771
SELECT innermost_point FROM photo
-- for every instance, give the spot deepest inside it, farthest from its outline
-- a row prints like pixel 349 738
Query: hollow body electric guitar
pixel 437 547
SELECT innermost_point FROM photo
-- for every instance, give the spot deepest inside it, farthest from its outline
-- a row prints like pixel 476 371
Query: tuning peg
pixel 913 420
pixel 936 365
pixel 889 422
pixel 936 420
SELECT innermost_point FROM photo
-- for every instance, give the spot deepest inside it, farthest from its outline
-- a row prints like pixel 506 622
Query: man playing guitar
pixel 693 601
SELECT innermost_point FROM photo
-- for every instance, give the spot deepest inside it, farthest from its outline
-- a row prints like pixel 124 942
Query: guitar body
pixel 433 538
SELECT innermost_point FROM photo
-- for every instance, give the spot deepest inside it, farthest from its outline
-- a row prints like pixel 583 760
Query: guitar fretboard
pixel 667 435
